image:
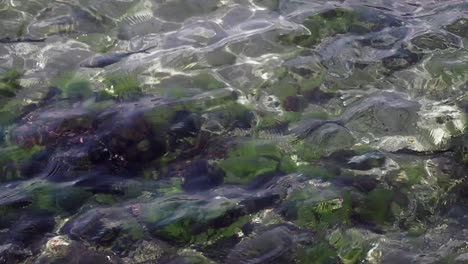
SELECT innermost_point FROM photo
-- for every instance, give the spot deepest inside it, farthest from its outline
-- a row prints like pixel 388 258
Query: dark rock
pixel 12 254
pixel 200 175
pixel 272 246
pixel 317 96
pixel 32 226
pixel 403 59
pixel 459 27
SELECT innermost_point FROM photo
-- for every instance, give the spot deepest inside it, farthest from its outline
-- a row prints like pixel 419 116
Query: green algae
pixel 322 253
pixel 316 172
pixel 212 235
pixel 123 85
pixel 12 159
pixel 318 208
pixel 241 170
pixel 9 83
pixel 98 42
pixel 377 206
pixel 327 24
pixel 351 245
pixel 57 199
pixel 74 86
pixel 414 173
pixel 459 27
pixel 181 221
pixel 253 159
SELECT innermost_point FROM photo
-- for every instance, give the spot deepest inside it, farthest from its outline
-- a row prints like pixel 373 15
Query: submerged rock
pixel 61 249
pixel 276 245
pixel 340 21
pixel 459 27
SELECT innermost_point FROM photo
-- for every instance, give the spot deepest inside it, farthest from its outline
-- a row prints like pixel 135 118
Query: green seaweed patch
pixel 327 24
pixel 322 253
pixel 414 173
pixel 242 170
pixel 207 81
pixel 172 186
pixel 160 117
pixel 285 87
pixel 12 159
pixel 181 221
pixel 459 27
pixel 57 199
pixel 377 206
pixel 123 85
pixel 9 83
pixel 316 172
pixel 214 234
pixel 254 158
pixel 318 209
pixel 270 121
pixel 351 245
pixel 324 214
pixel 310 152
pixel 10 111
pixel 74 86
pixel 178 86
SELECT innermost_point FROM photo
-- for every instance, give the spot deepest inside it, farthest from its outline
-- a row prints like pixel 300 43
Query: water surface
pixel 233 131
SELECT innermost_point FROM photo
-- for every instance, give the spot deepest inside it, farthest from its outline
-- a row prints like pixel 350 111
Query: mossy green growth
pixel 459 27
pixel 12 158
pixel 322 253
pixel 327 24
pixel 316 172
pixel 9 83
pixel 252 159
pixel 172 186
pixel 74 86
pixel 242 170
pixel 320 215
pixel 414 173
pixel 10 111
pixel 318 208
pixel 123 85
pixel 55 198
pixel 161 116
pixel 212 235
pixel 179 86
pixel 310 152
pixel 207 81
pixel 269 121
pixel 351 245
pixel 377 206
pixel 181 221
pixel 286 86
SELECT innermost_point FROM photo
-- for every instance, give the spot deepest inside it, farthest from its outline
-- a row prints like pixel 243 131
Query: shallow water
pixel 233 131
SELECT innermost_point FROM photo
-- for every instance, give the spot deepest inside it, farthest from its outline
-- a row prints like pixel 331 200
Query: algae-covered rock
pixel 9 83
pixel 58 198
pixel 61 249
pixel 14 161
pixel 433 41
pixel 459 27
pixel 276 245
pixel 181 220
pixel 339 21
pixel 317 206
pixel 114 227
pixel 351 245
pixel 251 160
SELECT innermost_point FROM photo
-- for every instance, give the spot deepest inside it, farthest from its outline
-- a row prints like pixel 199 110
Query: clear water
pixel 232 131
